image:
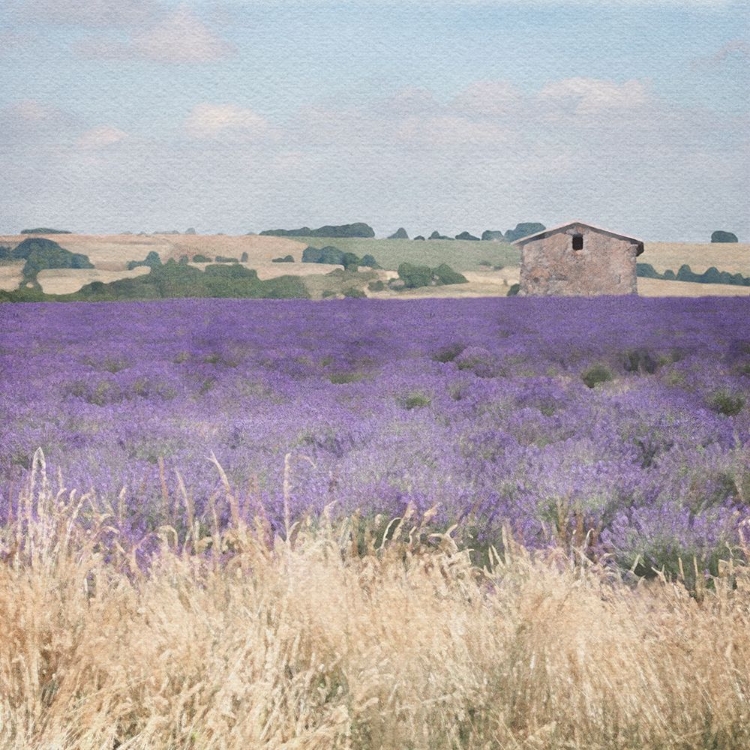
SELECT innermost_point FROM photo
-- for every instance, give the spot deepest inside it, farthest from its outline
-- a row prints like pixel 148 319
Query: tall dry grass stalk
pixel 338 640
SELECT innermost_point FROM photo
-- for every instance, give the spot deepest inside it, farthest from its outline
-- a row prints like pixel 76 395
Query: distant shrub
pixel 40 254
pixel 225 259
pixel 354 293
pixel 376 286
pixel 419 237
pixel 358 229
pixel 523 229
pixel 415 276
pixel 721 236
pixel 285 287
pixel 727 403
pixel 152 260
pixel 184 260
pixel 646 271
pixel 399 234
pixel 45 230
pixel 327 294
pixel 350 261
pixel 285 259
pixel 231 272
pixel 492 235
pixel 437 236
pixel 244 258
pixel 596 374
pixel 485 263
pixel 467 236
pixel 446 275
pixel 514 290
pixel 201 259
pixel 328 255
pixel 369 261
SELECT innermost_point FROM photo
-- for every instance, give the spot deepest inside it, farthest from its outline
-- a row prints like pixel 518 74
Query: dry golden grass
pixel 661 288
pixel 106 252
pixel 11 275
pixel 732 257
pixel 260 249
pixel 69 280
pixel 331 639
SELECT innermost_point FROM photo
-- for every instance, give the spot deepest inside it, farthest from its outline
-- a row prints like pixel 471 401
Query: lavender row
pixel 616 422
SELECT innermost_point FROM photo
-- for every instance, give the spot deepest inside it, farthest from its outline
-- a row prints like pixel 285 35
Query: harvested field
pixel 10 276
pixel 732 257
pixel 661 288
pixel 69 280
pixel 259 249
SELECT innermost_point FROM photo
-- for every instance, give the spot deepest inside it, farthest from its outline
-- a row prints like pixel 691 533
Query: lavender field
pixel 618 425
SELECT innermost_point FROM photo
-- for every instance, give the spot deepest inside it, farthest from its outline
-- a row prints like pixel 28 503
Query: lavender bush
pixel 479 408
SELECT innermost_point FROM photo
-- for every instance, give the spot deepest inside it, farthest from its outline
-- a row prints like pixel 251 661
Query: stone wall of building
pixel 604 265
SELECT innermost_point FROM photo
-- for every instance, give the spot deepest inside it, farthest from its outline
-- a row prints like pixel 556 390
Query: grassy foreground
pixel 332 638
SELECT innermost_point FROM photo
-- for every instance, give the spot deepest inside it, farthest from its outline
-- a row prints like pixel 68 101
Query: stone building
pixel 578 259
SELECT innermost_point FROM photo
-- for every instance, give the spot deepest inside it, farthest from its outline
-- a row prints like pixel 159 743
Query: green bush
pixel 225 259
pixel 514 290
pixel 201 259
pixel 45 230
pixel 285 259
pixel 415 276
pixel 328 255
pixel 354 293
pixel 41 254
pixel 721 236
pixel 597 374
pixel 376 286
pixel 152 261
pixel 244 258
pixel 446 275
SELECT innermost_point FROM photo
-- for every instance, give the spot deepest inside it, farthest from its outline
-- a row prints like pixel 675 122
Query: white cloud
pixel 101 137
pixel 489 98
pixel 181 37
pixel 226 121
pixel 589 96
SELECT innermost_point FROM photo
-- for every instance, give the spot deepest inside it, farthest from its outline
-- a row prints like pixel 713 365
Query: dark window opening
pixel 577 242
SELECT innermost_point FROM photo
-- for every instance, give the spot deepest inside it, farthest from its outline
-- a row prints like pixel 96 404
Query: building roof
pixel 552 230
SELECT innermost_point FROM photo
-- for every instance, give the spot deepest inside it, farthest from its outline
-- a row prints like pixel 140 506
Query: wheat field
pixel 329 637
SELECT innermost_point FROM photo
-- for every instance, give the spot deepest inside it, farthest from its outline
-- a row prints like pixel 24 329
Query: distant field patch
pixel 461 255
pixel 69 280
pixel 733 257
pixel 661 288
pixel 11 275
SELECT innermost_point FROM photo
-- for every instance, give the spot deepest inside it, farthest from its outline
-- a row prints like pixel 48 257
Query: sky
pixel 236 116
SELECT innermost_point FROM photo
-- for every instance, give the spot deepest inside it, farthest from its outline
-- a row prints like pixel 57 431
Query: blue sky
pixel 240 116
